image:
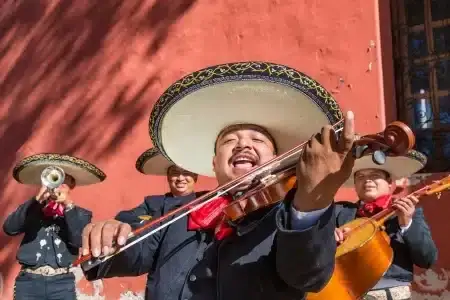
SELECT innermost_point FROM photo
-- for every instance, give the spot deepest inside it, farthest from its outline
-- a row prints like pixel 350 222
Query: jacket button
pixel 192 277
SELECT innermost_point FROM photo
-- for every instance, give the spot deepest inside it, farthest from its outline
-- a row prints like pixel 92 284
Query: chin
pixel 370 197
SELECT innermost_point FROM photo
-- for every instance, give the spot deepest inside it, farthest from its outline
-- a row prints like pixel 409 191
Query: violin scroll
pixel 396 139
pixel 399 137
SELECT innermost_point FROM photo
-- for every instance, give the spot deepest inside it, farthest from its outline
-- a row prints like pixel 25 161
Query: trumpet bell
pixel 52 177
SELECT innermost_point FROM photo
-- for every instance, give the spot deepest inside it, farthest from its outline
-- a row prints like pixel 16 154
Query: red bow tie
pixel 53 209
pixel 374 207
pixel 211 216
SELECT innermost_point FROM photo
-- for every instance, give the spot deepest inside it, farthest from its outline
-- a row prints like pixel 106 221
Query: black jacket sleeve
pixel 305 259
pixel 150 207
pixel 135 261
pixel 420 243
pixel 76 219
pixel 15 223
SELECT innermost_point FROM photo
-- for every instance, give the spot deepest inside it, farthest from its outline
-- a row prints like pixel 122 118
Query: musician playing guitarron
pixel 409 233
pixel 240 116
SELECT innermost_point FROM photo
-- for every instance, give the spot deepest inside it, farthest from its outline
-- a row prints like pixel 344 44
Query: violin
pixel 268 184
pixel 365 254
pixel 396 139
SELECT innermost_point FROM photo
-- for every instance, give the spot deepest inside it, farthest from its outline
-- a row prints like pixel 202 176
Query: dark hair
pixel 194 175
pixel 388 176
pixel 72 182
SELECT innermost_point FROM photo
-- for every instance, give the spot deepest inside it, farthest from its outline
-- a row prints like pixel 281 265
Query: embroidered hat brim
pixel 187 118
pixel 397 166
pixel 152 162
pixel 28 170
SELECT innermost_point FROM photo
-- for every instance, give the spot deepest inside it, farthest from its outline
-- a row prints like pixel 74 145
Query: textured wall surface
pixel 81 77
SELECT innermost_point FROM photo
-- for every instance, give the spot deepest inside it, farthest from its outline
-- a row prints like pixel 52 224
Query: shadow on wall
pixel 75 76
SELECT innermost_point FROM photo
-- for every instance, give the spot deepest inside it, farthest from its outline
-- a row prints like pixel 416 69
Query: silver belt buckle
pixel 48 271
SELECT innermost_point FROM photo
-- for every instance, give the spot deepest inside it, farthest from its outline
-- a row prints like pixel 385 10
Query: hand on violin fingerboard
pixel 325 164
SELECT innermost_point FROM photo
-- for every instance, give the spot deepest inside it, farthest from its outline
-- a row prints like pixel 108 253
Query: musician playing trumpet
pixel 409 232
pixel 225 127
pixel 51 224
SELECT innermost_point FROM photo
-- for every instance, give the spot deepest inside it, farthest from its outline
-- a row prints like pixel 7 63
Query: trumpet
pixel 52 177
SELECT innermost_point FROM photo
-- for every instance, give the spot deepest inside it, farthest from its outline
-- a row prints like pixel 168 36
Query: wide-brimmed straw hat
pixel 187 118
pixel 28 170
pixel 152 162
pixel 396 166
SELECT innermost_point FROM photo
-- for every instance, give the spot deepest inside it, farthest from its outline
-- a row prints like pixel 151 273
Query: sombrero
pixel 28 170
pixel 187 118
pixel 152 162
pixel 397 166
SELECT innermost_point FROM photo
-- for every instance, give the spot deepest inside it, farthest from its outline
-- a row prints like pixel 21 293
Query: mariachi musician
pixel 181 184
pixel 240 116
pixel 408 230
pixel 51 224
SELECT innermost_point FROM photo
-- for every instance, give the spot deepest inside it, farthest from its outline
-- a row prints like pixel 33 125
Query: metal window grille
pixel 421 39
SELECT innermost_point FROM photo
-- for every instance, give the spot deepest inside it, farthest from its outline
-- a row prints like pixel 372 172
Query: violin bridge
pixel 438 195
pixel 268 180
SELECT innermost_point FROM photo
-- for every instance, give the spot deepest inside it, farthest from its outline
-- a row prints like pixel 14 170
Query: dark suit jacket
pixel 264 260
pixel 415 247
pixel 47 241
pixel 152 205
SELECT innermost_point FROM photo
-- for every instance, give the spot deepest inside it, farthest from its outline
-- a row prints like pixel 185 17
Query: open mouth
pixel 243 161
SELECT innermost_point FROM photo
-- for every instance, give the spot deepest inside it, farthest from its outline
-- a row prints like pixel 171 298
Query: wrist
pixel 38 200
pixel 305 202
pixel 404 222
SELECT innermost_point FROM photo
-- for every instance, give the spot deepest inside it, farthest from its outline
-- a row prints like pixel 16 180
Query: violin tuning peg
pixel 358 151
pixel 379 157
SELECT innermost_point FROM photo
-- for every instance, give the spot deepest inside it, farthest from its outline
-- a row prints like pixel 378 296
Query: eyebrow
pixel 236 127
pixel 381 173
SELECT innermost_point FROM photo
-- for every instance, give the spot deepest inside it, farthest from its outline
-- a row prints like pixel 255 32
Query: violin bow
pixel 259 173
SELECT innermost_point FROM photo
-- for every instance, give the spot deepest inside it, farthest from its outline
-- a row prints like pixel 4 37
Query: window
pixel 421 38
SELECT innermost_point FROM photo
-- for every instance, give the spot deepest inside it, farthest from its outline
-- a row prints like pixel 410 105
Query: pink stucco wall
pixel 81 77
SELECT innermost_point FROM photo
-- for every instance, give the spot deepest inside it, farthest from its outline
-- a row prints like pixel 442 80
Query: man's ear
pixel 214 163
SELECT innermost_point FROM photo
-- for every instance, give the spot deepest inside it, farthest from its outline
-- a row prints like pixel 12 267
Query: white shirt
pixel 304 220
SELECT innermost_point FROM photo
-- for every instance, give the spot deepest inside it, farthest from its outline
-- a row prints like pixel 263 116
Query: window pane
pixel 441 38
pixel 444 109
pixel 417 44
pixel 436 146
pixel 424 142
pixel 445 141
pixel 414 12
pixel 443 74
pixel 440 162
pixel 440 9
pixel 419 78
